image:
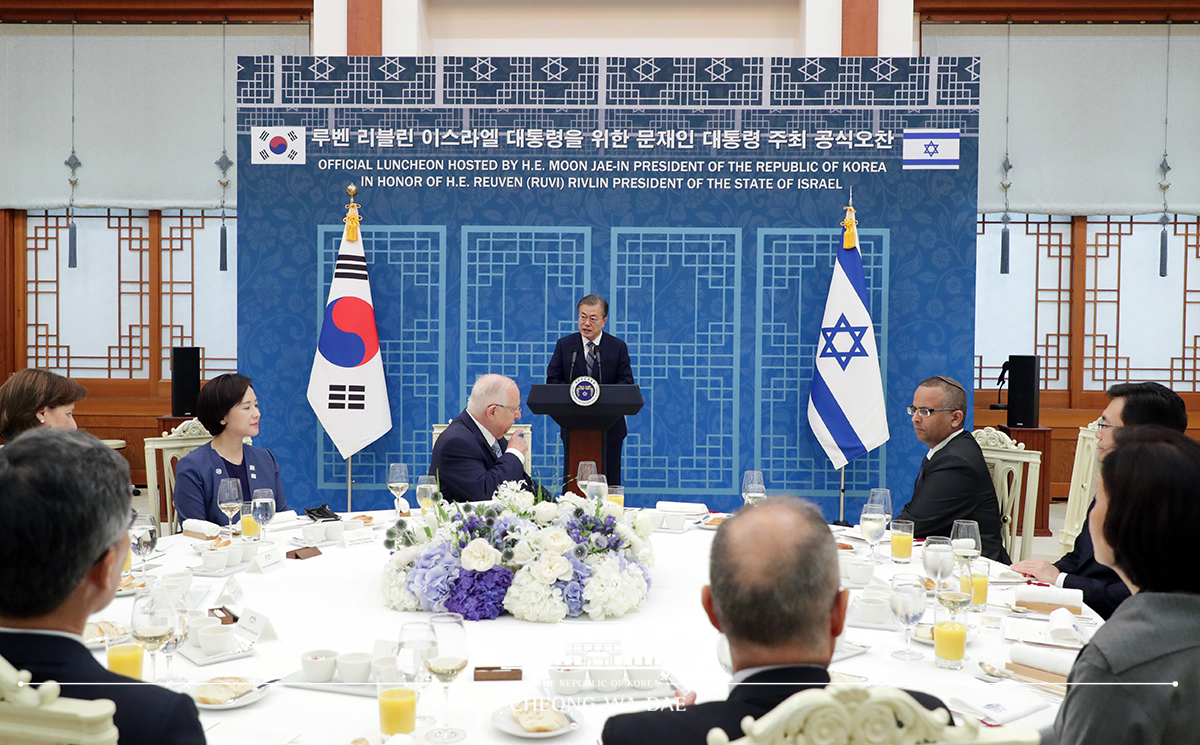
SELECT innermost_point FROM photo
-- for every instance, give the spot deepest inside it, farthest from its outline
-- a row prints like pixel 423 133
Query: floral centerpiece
pixel 539 561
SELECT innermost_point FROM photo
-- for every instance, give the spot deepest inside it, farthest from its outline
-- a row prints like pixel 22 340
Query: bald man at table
pixel 65 497
pixel 775 593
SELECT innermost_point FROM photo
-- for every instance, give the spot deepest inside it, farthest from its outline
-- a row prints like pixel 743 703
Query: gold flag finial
pixel 352 219
pixel 850 237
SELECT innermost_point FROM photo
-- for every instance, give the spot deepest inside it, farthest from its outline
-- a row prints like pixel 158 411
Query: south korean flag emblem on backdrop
pixel 277 145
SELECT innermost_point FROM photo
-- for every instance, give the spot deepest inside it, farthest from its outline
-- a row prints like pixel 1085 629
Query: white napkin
pixel 224 733
pixel 1064 628
pixel 998 705
pixel 283 517
pixel 686 508
pixel 1057 661
pixel 1050 595
pixel 200 527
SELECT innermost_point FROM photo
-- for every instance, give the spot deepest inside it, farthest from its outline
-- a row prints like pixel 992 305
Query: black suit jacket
pixel 955 485
pixel 614 367
pixel 146 714
pixel 1103 589
pixel 466 467
pixel 756 696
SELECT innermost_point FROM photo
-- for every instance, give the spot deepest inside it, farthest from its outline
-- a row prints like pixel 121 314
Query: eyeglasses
pixel 923 411
pixel 1103 425
pixel 514 411
pixel 593 319
pixel 133 513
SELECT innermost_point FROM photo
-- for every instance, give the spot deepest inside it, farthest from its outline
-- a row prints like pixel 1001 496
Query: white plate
pixel 200 571
pixel 299 541
pixel 246 700
pixel 970 634
pixel 132 590
pixel 99 643
pixel 503 721
pixel 298 680
pixel 708 524
pixel 195 654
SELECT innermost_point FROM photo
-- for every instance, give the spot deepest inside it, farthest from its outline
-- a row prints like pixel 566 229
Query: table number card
pixel 267 561
pixel 256 626
pixel 361 537
pixel 231 593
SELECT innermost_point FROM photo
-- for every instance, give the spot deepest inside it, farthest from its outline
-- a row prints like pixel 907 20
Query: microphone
pixel 598 373
pixel 571 369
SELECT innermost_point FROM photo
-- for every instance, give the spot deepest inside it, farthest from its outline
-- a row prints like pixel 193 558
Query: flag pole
pixel 842 505
pixel 349 465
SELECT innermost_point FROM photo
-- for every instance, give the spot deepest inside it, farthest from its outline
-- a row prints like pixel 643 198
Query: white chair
pixel 526 430
pixel 846 715
pixel 30 716
pixel 1083 485
pixel 172 446
pixel 1014 469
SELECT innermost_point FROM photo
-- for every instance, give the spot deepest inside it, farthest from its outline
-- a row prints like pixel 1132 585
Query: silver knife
pixel 258 687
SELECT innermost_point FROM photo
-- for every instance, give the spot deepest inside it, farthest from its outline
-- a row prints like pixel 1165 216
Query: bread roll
pixel 219 691
pixel 537 715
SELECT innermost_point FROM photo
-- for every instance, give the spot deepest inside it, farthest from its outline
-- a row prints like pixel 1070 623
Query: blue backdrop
pixel 718 287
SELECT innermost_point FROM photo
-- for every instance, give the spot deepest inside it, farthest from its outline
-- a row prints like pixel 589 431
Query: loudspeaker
pixel 1024 389
pixel 185 380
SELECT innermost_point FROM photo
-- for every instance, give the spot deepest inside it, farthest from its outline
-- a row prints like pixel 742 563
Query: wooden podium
pixel 583 427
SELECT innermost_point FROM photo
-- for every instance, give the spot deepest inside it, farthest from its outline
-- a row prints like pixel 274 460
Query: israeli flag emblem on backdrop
pixel 931 149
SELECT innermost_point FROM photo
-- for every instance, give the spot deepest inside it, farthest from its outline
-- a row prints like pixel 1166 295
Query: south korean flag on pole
pixel 347 388
pixel 930 149
pixel 277 145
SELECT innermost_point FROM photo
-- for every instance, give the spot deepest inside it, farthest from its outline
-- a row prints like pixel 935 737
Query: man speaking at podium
pixel 602 356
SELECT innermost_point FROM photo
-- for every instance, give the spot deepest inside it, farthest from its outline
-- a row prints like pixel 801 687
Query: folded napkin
pixel 999 704
pixel 1065 629
pixel 1057 661
pixel 284 517
pixel 1048 598
pixel 686 508
pixel 200 528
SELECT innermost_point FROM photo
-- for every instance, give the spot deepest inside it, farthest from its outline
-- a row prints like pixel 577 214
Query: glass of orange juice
pixel 616 493
pixel 397 703
pixel 124 655
pixel 902 541
pixel 250 529
pixel 976 582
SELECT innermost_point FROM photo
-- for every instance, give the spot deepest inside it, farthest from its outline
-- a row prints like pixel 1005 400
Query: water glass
pixel 938 559
pixel 908 606
pixel 754 490
pixel 872 524
pixel 964 537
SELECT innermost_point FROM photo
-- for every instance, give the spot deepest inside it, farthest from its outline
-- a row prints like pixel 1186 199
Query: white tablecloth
pixel 334 601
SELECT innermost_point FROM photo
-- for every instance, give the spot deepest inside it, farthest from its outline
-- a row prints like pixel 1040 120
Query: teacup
pixel 314 533
pixel 235 549
pixel 354 667
pixel 319 665
pixel 567 680
pixel 334 529
pixel 215 559
pixel 861 572
pixel 875 591
pixel 844 559
pixel 607 679
pixel 644 678
pixel 217 639
pixel 181 582
pixel 873 610
pixel 656 519
pixel 195 624
pixel 675 521
pixel 383 669
pixel 249 550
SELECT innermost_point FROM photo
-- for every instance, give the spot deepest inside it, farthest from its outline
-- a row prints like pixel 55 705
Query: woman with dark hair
pixel 38 398
pixel 228 408
pixel 1148 654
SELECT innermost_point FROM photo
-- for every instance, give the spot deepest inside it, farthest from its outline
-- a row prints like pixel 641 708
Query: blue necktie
pixel 591 358
pixel 496 450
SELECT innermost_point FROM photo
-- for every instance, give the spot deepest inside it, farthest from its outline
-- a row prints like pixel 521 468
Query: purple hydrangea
pixel 480 595
pixel 433 575
pixel 572 595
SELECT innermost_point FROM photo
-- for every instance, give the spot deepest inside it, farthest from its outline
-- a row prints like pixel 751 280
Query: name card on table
pixel 231 593
pixel 267 561
pixel 361 537
pixel 256 626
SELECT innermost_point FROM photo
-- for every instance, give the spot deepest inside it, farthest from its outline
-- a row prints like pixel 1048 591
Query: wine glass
pixel 964 537
pixel 597 487
pixel 143 537
pixel 587 469
pixel 938 558
pixel 177 638
pixel 753 489
pixel 158 617
pixel 397 483
pixel 908 605
pixel 427 492
pixel 263 509
pixel 872 524
pixel 883 498
pixel 450 660
pixel 417 644
pixel 229 500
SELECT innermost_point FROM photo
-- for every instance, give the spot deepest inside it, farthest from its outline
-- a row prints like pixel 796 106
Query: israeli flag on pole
pixel 930 149
pixel 846 407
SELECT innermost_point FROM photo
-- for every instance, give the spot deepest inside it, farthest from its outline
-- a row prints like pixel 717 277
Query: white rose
pixel 479 556
pixel 522 553
pixel 611 509
pixel 552 568
pixel 522 502
pixel 573 499
pixel 531 600
pixel 556 540
pixel 642 524
pixel 544 512
pixel 566 509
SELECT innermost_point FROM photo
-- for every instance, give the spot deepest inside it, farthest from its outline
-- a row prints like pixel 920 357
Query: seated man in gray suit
pixel 471 458
pixel 776 596
pixel 64 539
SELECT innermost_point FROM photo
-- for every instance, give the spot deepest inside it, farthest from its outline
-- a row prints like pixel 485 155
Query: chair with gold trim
pixel 1014 470
pixel 1084 475
pixel 38 716
pixel 525 430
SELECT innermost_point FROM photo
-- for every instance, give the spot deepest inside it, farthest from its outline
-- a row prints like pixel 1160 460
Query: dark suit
pixel 754 697
pixel 1103 589
pixel 467 468
pixel 615 368
pixel 955 485
pixel 146 714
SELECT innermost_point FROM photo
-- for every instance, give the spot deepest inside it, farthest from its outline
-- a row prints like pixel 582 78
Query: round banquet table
pixel 334 601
